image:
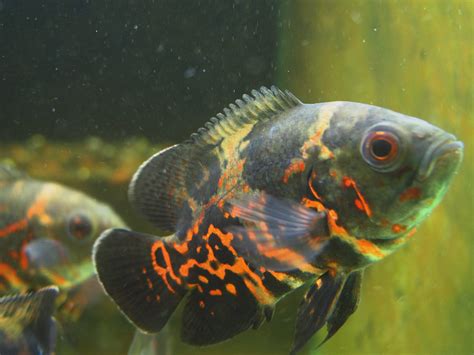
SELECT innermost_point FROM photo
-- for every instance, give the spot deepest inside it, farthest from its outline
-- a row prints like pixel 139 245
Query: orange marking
pixel 397 228
pixel 202 304
pixel 297 166
pixel 24 262
pixel 144 271
pixel 231 289
pixel 311 187
pixel 58 279
pixel 284 255
pixel 348 182
pixel 333 174
pixel 14 227
pixel 315 141
pixel 280 276
pixel 358 204
pixel 319 283
pixel 240 267
pixel 334 227
pixel 215 292
pixel 163 272
pixel 150 285
pixel 198 286
pixel 368 248
pixel 181 248
pixel 203 279
pixel 229 177
pixel 318 206
pixel 158 298
pixel 412 193
pixel 9 273
pixel 38 208
pixel 411 233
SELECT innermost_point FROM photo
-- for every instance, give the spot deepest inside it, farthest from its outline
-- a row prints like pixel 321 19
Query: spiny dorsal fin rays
pixel 156 190
pixel 263 104
pixel 31 312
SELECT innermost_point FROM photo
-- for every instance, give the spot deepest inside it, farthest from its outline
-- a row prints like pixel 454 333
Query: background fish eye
pixel 79 226
pixel 381 149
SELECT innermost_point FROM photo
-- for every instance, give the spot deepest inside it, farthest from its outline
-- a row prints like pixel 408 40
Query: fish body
pixel 269 196
pixel 46 232
pixel 46 235
pixel 26 322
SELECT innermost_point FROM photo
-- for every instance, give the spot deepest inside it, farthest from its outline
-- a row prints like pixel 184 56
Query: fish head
pixel 68 224
pixel 387 171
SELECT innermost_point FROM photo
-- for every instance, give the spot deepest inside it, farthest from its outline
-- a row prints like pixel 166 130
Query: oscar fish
pixel 26 322
pixel 46 233
pixel 270 195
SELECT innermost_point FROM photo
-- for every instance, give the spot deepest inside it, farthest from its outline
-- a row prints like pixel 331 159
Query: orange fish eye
pixel 383 145
pixel 380 149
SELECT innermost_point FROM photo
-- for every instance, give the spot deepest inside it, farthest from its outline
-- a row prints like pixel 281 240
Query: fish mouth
pixel 447 146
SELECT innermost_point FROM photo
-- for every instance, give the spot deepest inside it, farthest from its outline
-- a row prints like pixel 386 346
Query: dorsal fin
pixel 157 186
pixel 262 105
pixel 8 173
pixel 30 314
pixel 154 188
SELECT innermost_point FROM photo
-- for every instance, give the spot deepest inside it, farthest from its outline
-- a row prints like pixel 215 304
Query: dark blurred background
pixel 120 68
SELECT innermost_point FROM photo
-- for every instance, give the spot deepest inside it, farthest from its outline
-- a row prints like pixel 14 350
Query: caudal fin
pixel 135 271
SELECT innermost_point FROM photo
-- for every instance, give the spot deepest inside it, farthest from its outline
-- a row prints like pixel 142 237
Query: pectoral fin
pixel 330 301
pixel 278 234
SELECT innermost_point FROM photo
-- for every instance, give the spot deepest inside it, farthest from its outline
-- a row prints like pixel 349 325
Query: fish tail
pixel 137 272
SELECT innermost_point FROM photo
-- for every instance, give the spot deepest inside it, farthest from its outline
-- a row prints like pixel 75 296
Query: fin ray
pixel 211 319
pixel 31 315
pixel 158 188
pixel 278 234
pixel 126 269
pixel 316 308
pixel 346 304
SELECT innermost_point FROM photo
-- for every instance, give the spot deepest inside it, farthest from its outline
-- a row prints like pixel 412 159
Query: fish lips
pixel 448 149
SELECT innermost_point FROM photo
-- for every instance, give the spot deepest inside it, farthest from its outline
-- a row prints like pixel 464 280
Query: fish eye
pixel 381 150
pixel 79 226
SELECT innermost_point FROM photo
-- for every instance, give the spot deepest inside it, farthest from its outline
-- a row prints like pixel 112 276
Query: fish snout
pixel 445 148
